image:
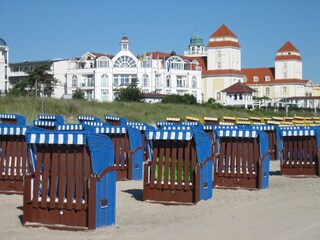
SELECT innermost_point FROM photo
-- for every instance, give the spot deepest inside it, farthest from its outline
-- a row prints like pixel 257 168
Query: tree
pixel 38 80
pixel 129 94
pixel 177 99
pixel 78 94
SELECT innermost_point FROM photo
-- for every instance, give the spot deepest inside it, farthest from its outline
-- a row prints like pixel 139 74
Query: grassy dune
pixel 144 112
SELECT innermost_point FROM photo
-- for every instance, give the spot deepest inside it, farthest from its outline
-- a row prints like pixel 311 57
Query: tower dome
pixel 2 42
pixel 196 40
pixel 124 42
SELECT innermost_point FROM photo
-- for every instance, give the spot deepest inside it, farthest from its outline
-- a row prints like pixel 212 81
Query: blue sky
pixel 47 29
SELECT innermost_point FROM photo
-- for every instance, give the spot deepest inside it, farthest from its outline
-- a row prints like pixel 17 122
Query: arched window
pixel 103 62
pixel 74 82
pixel 194 82
pixel 175 63
pixel 145 80
pixel 125 62
pixel 168 81
pixel 104 80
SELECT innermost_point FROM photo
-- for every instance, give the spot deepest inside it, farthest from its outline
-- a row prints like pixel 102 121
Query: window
pixel 267 78
pixel 89 94
pixel 104 94
pixel 194 82
pixel 255 78
pixel 245 79
pixel 168 84
pixel 158 81
pixel 284 90
pixel 74 82
pixel 256 92
pixel 90 81
pixel 168 91
pixel 104 80
pixel 103 62
pixel 125 62
pixel 145 80
pixel 123 80
pixel 218 96
pixel 267 91
pixel 175 63
pixel 181 81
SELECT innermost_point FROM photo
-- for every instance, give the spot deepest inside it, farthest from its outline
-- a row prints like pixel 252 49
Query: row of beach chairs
pixel 67 173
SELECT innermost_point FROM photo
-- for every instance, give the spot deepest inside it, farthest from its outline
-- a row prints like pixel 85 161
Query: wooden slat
pixel 228 153
pixel 222 156
pixel 79 173
pixel 234 157
pixel 179 163
pixel 154 163
pixel 8 162
pixel 70 182
pixel 53 177
pixel 160 163
pixel 63 156
pixel 173 164
pixel 240 157
pixel 167 164
pixel 45 178
pixel 251 156
pixel 40 161
pixel 187 166
pixel 3 152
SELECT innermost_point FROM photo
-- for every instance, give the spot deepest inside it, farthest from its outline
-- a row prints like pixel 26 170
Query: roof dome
pixel 196 40
pixel 173 53
pixel 2 42
pixel 124 39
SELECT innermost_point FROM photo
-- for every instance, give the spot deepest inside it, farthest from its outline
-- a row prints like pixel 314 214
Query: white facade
pixel 99 76
pixel 4 67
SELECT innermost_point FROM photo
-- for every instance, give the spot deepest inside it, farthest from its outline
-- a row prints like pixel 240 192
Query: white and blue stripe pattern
pixel 111 130
pixel 169 135
pixel 4 130
pixel 86 118
pixel 297 132
pixel 294 127
pixel 70 127
pixel 211 127
pixel 237 133
pixel 176 128
pixel 46 117
pixel 263 127
pixel 8 116
pixel 94 124
pixel 58 138
pixel 115 118
pixel 160 123
pixel 43 123
pixel 139 127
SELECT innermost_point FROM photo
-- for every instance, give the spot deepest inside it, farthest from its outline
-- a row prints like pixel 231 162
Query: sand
pixel 288 209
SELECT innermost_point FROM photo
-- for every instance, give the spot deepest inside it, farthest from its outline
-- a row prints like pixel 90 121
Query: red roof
pixel 288 47
pixel 97 55
pixel 223 44
pixel 238 87
pixel 223 31
pixel 288 57
pixel 223 72
pixel 262 74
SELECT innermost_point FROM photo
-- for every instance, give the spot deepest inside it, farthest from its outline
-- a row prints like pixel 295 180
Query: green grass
pixel 143 112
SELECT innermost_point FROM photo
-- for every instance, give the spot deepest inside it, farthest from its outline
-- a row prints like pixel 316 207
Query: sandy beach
pixel 288 209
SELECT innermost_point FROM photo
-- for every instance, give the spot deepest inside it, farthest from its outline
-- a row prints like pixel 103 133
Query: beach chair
pixel 48 121
pixel 15 119
pixel 300 151
pixel 115 120
pixel 242 159
pixel 14 160
pixel 211 121
pixel 128 150
pixel 73 184
pixel 179 169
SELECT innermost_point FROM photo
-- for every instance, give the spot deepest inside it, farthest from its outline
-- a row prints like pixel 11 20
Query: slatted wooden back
pixel 61 177
pixel 173 164
pixel 14 163
pixel 239 157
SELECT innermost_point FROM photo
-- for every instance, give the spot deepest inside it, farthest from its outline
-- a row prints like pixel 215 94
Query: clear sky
pixel 48 29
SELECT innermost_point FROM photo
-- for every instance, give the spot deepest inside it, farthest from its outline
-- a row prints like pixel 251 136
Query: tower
pixel 4 65
pixel 288 63
pixel 124 43
pixel 223 50
pixel 196 47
